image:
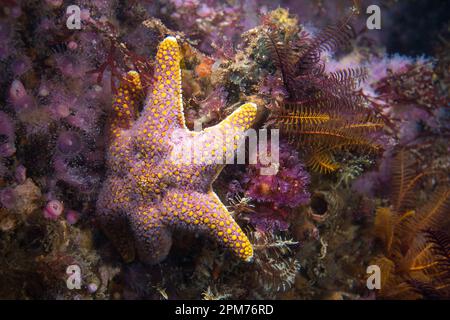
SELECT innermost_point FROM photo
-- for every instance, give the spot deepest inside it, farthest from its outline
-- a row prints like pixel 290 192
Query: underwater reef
pixel 102 102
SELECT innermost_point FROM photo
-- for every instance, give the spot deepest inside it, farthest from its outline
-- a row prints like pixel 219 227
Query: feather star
pixel 151 189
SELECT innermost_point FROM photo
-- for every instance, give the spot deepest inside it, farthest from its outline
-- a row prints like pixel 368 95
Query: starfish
pixel 152 187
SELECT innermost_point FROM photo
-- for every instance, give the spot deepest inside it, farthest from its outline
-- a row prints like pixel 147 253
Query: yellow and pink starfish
pixel 151 192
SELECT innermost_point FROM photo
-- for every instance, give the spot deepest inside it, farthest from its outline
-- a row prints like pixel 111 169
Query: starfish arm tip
pixel 170 39
pixel 250 106
pixel 249 258
pixel 132 77
pixel 168 43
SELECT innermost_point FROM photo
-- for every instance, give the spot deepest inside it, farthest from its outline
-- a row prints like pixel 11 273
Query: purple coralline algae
pixel 277 195
pixel 287 188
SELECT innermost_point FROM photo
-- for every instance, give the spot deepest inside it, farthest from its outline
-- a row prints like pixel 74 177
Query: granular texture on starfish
pixel 153 185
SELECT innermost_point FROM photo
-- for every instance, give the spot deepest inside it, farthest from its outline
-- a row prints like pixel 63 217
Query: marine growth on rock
pixel 133 149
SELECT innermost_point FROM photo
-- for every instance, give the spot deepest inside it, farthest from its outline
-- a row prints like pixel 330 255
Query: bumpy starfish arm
pixel 195 209
pixel 125 108
pixel 125 103
pixel 153 239
pixel 112 217
pixel 164 109
pixel 222 140
pixel 115 225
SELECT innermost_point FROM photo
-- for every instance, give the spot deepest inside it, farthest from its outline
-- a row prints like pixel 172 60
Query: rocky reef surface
pixel 91 90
